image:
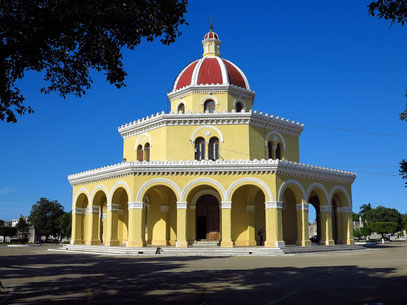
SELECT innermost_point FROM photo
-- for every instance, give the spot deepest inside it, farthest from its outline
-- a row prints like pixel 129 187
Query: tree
pixel 22 229
pixel 365 231
pixel 65 224
pixel 384 227
pixel 355 216
pixel 364 209
pixel 44 217
pixel 8 232
pixel 395 11
pixel 66 39
pixel 383 214
pixel 404 221
pixel 1 223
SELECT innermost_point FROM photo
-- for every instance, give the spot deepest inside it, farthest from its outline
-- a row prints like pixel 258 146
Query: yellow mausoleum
pixel 211 170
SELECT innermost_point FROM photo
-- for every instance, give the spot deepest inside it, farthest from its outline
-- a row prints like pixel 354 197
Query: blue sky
pixel 316 62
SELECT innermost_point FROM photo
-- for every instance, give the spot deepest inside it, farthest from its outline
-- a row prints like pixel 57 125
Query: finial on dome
pixel 211 42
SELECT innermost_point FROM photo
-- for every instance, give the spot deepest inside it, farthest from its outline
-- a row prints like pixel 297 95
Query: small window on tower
pixel 270 149
pixel 147 152
pixel 181 108
pixel 209 106
pixel 213 149
pixel 200 149
pixel 278 151
pixel 239 107
pixel 140 153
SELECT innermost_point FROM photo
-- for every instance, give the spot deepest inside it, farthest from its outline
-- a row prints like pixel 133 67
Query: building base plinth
pixel 160 243
pixel 226 244
pixel 93 242
pixel 112 243
pixel 327 242
pixel 136 244
pixel 181 244
pixel 274 244
pixel 350 242
pixel 76 242
pixel 304 243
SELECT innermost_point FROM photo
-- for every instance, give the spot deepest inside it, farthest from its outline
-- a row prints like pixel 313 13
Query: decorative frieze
pixel 325 208
pixel 181 205
pixel 218 167
pixel 344 210
pixel 302 206
pixel 226 204
pixel 93 209
pixel 274 204
pixel 113 207
pixel 136 205
pixel 78 211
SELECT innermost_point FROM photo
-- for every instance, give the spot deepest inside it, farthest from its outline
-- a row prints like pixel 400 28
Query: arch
pixel 277 133
pixel 209 97
pixel 139 137
pixel 213 148
pixel 82 190
pixel 314 186
pixel 154 182
pixel 205 192
pixel 286 184
pixel 250 181
pixel 115 186
pixel 180 102
pixel 206 126
pixel 215 184
pixel 340 188
pixel 146 151
pixel 139 153
pixel 209 106
pixel 97 188
pixel 239 100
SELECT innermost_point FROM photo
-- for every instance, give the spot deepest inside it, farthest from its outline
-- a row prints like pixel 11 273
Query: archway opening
pixel 207 218
pixel 120 198
pixel 100 201
pixel 339 227
pixel 239 107
pixel 209 106
pixel 289 217
pixel 314 218
pixel 81 233
pixel 181 108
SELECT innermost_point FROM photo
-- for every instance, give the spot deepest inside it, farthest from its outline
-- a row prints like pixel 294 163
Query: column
pixel 347 225
pixel 226 223
pixel 274 224
pixel 77 226
pixel 326 225
pixel 181 225
pixel 136 237
pixel 251 226
pixel 302 225
pixel 112 238
pixel 192 223
pixel 93 226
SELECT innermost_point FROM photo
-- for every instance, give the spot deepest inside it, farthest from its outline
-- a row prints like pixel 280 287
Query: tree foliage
pixel 393 10
pixel 65 224
pixel 365 231
pixel 44 217
pixel 8 231
pixel 364 209
pixel 66 39
pixel 22 229
pixel 384 227
pixel 383 214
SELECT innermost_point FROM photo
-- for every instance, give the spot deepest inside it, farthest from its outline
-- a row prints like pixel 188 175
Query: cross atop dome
pixel 211 43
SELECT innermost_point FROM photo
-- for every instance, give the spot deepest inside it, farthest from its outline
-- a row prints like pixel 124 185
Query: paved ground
pixel 34 275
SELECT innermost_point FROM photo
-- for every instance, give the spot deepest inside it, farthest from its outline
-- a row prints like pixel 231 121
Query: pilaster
pixel 93 226
pixel 112 238
pixel 77 226
pixel 326 225
pixel 136 237
pixel 274 224
pixel 226 214
pixel 181 225
pixel 302 225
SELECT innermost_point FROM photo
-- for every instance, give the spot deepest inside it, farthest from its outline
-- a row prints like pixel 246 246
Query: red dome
pixel 211 71
pixel 211 35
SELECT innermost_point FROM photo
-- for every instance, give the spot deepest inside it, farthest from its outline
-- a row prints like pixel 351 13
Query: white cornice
pixel 218 118
pixel 204 167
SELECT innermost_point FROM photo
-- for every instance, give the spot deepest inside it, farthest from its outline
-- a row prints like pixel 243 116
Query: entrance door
pixel 207 218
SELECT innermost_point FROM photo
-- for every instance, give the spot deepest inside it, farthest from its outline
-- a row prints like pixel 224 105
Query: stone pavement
pixel 34 275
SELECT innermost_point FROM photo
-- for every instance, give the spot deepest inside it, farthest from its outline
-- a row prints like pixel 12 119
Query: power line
pixel 359 131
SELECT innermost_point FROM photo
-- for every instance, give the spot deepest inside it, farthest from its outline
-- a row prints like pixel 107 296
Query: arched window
pixel 140 153
pixel 181 108
pixel 147 151
pixel 239 107
pixel 270 149
pixel 209 106
pixel 278 151
pixel 213 149
pixel 200 149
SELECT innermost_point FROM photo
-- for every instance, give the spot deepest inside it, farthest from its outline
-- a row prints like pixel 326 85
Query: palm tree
pixel 364 209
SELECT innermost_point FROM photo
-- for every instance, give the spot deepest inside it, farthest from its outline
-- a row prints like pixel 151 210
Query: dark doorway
pixel 207 218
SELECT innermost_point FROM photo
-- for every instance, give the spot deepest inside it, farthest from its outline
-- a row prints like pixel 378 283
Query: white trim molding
pixel 340 188
pixel 78 211
pixel 118 184
pixel 277 133
pixel 201 181
pixel 204 192
pixel 181 205
pixel 137 205
pixel 209 97
pixel 286 184
pixel 239 100
pixel 192 140
pixel 325 208
pixel 253 181
pixel 82 190
pixel 315 185
pixel 302 206
pixel 93 209
pixel 273 204
pixel 226 204
pixel 163 181
pixel 113 207
pixel 343 210
pixel 145 134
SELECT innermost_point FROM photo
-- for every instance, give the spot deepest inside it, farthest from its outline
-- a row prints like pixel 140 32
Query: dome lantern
pixel 211 43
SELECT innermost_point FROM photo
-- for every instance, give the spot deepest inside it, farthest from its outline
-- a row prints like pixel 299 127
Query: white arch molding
pixel 157 180
pixel 181 102
pixel 205 192
pixel 82 190
pixel 115 186
pixel 209 97
pixel 239 100
pixel 287 183
pixel 277 133
pixel 254 181
pixel 341 188
pixel 97 188
pixel 206 126
pixel 202 180
pixel 316 185
pixel 140 137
